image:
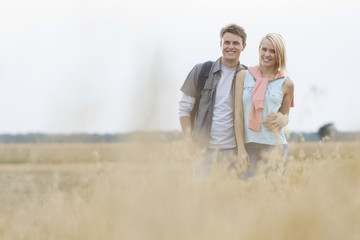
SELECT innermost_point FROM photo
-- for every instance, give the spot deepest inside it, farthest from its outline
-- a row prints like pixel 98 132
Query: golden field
pixel 132 191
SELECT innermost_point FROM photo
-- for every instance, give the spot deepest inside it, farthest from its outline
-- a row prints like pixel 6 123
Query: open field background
pixel 147 191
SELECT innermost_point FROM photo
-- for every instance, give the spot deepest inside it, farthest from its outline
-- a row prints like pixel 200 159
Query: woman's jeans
pixel 261 153
pixel 227 158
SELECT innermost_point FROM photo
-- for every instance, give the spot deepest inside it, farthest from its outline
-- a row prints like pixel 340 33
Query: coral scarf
pixel 258 96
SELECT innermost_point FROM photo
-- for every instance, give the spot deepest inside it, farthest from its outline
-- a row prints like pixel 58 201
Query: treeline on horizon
pixel 155 136
pixel 90 138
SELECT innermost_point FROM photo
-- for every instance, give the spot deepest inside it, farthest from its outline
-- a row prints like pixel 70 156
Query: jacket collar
pixel 217 66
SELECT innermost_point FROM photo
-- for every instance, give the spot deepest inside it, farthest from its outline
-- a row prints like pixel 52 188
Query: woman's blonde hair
pixel 280 50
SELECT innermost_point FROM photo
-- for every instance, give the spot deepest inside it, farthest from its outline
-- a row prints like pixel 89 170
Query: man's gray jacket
pixel 203 118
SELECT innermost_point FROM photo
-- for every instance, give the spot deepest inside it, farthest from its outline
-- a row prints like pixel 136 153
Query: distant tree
pixel 327 131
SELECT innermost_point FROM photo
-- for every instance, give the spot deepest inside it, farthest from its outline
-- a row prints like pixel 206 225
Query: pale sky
pixel 112 66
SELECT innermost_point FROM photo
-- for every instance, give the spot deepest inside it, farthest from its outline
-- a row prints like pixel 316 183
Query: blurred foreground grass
pixel 147 191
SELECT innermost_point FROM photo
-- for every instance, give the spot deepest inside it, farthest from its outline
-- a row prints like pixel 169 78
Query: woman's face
pixel 267 54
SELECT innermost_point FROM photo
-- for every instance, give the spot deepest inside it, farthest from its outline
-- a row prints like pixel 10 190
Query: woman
pixel 263 96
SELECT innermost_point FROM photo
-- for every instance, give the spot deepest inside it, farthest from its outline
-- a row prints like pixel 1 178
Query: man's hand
pixel 191 145
pixel 243 161
pixel 276 121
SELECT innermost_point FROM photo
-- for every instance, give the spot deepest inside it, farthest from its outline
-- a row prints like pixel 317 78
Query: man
pixel 213 128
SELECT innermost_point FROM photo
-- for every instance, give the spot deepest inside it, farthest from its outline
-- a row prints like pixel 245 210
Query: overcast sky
pixel 112 66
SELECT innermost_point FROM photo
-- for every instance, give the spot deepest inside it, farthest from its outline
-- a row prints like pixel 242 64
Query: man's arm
pixel 186 105
pixel 185 123
pixel 187 102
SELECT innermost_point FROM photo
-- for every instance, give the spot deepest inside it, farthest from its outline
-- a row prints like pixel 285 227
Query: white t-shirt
pixel 222 134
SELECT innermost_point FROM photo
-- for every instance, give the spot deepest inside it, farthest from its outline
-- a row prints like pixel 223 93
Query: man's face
pixel 231 46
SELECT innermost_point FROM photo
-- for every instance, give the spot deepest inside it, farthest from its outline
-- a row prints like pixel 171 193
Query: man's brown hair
pixel 234 29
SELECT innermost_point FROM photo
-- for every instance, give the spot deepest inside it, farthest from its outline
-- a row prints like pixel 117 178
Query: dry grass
pixel 147 191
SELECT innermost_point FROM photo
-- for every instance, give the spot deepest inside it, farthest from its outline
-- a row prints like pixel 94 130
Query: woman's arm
pixel 242 158
pixel 276 121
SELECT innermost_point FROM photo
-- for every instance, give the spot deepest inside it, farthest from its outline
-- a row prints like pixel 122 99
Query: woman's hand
pixel 276 121
pixel 243 161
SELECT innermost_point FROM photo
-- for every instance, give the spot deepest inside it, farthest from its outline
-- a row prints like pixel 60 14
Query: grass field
pixel 132 191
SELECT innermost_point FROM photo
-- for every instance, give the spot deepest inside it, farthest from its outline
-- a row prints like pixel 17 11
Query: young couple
pixel 241 111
